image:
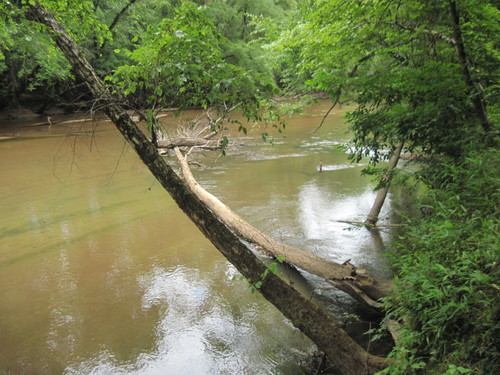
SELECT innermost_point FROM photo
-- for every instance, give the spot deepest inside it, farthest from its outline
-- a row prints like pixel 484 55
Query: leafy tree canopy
pixel 179 62
pixel 398 61
pixel 31 68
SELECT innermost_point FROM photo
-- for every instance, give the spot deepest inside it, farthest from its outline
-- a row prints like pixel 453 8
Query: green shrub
pixel 448 274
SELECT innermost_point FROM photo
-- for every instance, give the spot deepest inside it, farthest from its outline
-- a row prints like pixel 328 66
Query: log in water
pixel 101 273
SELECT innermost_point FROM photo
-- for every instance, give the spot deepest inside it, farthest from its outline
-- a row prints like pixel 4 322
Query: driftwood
pixel 211 144
pixel 198 133
pixel 345 277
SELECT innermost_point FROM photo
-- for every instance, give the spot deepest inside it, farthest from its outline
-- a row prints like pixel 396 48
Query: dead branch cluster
pixel 203 132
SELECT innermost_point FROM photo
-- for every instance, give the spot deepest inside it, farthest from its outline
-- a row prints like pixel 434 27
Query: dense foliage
pixel 448 273
pixel 180 62
pixel 424 73
pixel 398 62
pixel 34 72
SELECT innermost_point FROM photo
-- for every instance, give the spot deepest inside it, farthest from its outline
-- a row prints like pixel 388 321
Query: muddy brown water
pixel 101 273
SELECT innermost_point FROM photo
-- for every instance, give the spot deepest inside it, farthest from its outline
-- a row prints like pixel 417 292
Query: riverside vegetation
pixel 422 73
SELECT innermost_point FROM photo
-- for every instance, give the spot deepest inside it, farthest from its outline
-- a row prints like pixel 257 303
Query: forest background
pixel 420 73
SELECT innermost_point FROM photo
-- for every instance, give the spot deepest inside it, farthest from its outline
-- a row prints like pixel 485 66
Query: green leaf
pixel 418 365
pixel 273 267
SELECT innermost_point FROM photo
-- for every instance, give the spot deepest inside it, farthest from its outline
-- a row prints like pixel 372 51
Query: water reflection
pixel 322 214
pixel 102 274
pixel 196 333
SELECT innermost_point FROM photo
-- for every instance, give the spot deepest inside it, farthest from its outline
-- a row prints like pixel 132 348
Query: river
pixel 101 273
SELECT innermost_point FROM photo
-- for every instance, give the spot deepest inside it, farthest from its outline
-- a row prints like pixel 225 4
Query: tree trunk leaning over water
pixel 372 218
pixel 345 277
pixel 313 320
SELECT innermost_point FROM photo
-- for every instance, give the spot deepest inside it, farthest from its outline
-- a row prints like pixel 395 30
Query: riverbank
pixel 448 275
pixel 24 122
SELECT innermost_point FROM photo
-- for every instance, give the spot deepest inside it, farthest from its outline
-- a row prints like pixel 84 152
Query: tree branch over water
pixel 315 321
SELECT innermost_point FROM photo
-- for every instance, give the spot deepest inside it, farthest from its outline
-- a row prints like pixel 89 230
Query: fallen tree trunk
pixel 313 320
pixel 345 276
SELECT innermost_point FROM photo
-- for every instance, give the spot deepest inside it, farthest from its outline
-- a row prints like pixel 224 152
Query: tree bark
pixel 475 94
pixel 120 14
pixel 345 277
pixel 116 19
pixel 314 321
pixel 372 218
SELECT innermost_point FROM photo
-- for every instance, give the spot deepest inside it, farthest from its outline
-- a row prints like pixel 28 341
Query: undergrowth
pixel 448 285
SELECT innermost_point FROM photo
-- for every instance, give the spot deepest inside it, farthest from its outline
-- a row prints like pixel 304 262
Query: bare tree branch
pixel 339 90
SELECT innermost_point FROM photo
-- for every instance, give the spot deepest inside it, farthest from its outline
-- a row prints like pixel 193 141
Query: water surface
pixel 101 273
